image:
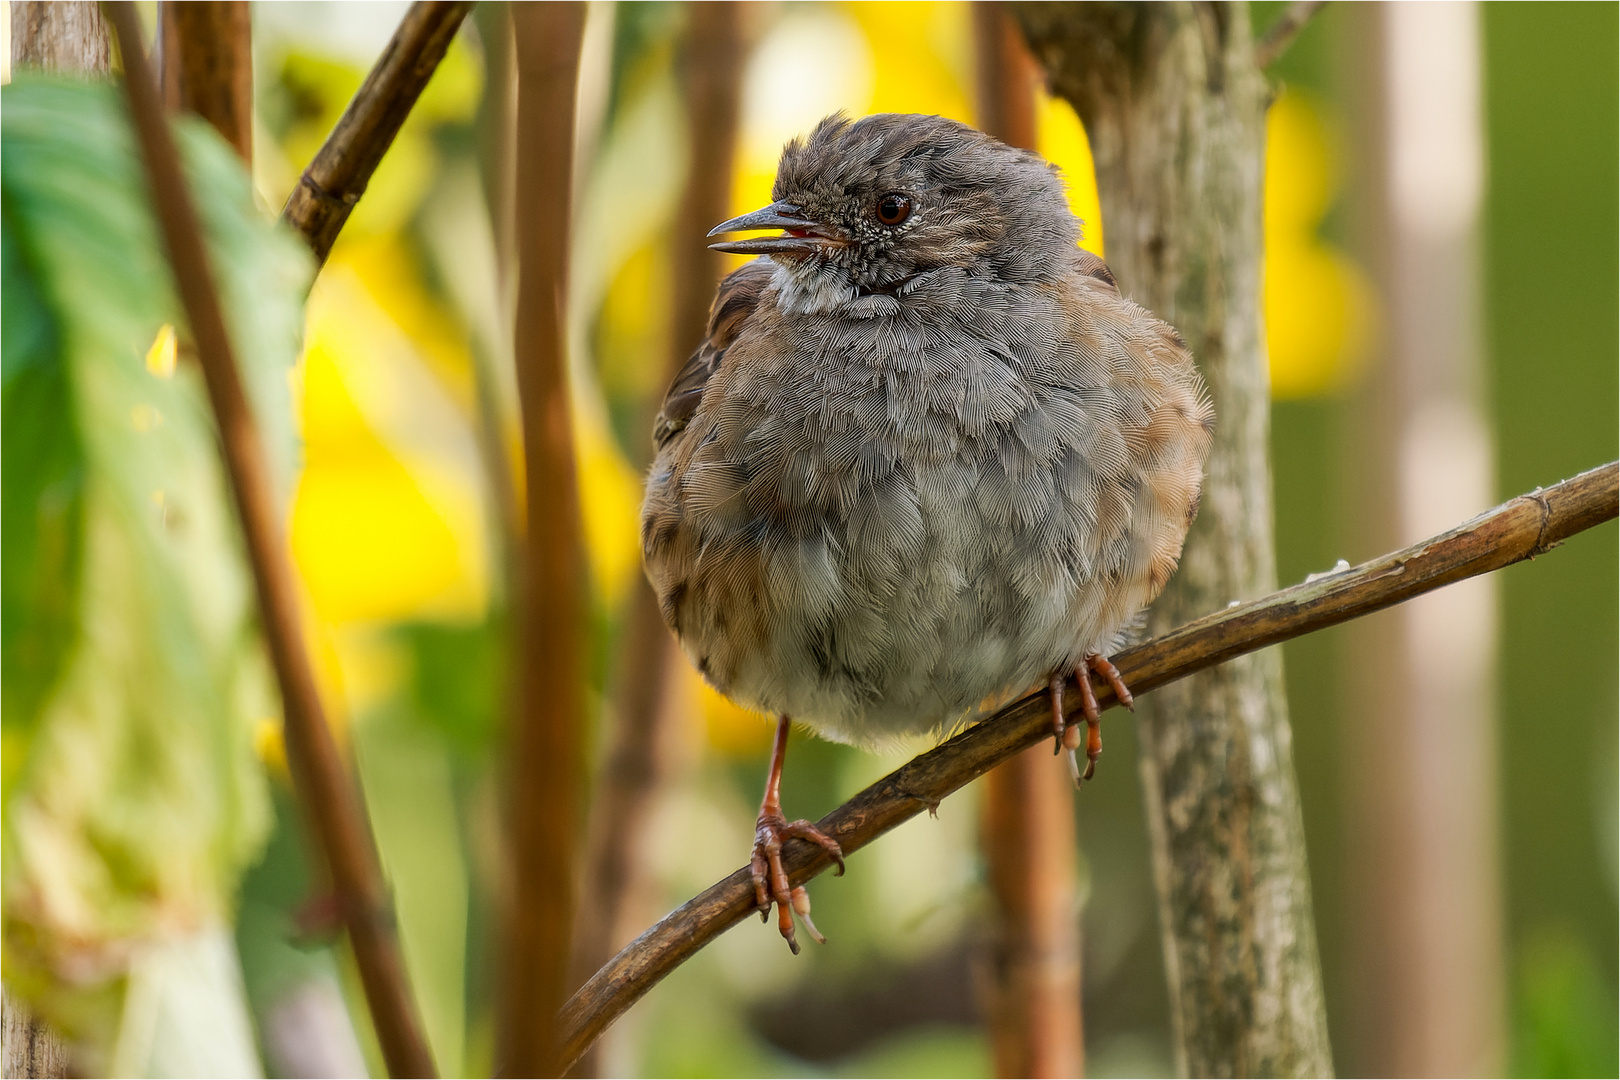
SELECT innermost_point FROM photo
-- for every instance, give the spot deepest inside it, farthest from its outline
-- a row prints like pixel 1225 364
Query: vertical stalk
pixel 545 759
pixel 66 36
pixel 206 59
pixel 1027 832
pixel 72 37
pixel 641 730
pixel 323 782
pixel 1175 109
pixel 1426 907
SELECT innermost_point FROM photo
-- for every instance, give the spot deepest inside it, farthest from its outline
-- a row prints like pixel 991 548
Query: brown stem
pixel 206 60
pixel 712 57
pixel 61 36
pixel 1281 34
pixel 545 759
pixel 1027 829
pixel 323 782
pixel 1033 1006
pixel 1523 528
pixel 336 179
pixel 642 743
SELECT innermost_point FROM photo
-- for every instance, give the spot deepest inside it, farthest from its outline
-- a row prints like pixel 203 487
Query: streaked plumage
pixel 925 470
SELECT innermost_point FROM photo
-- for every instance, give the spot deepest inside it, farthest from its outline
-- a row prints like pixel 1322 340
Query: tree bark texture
pixel 72 37
pixel 546 764
pixel 60 35
pixel 206 49
pixel 1175 110
pixel 28 1046
pixel 1032 989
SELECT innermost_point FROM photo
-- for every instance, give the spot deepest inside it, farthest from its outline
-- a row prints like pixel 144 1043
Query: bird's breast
pixel 880 528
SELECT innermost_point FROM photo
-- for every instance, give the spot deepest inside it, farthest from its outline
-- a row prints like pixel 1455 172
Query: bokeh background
pixel 405 398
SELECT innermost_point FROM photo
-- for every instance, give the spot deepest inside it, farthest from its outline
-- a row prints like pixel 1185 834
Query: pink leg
pixel 770 879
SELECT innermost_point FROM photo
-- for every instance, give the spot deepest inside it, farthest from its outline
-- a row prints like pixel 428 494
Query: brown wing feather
pixel 1170 441
pixel 734 302
pixel 1092 266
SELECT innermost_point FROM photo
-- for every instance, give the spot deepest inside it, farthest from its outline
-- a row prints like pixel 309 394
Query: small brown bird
pixel 926 459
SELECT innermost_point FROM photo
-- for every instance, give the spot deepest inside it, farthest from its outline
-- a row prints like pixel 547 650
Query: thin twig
pixel 1281 34
pixel 336 179
pixel 323 783
pixel 1520 529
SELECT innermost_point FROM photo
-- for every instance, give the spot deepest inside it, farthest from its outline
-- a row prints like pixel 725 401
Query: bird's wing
pixel 1093 266
pixel 1153 422
pixel 734 302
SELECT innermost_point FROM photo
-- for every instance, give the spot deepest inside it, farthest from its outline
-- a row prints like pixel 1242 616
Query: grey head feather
pixel 976 203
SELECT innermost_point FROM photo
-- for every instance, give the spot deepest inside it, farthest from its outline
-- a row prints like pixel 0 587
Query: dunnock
pixel 926 459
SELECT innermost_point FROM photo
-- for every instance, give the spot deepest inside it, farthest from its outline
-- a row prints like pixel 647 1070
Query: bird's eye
pixel 893 208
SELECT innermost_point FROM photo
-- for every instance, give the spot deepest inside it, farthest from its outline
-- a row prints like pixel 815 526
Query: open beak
pixel 804 236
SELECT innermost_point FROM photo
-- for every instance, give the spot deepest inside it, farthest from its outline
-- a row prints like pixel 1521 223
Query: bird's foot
pixel 1068 735
pixel 771 881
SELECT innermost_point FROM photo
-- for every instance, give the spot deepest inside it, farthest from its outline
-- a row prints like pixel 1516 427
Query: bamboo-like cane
pixel 545 758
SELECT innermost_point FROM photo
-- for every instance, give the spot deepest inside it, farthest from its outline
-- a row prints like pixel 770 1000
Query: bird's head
pixel 875 202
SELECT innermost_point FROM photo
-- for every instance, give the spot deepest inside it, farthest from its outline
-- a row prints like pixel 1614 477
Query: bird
pixel 926 459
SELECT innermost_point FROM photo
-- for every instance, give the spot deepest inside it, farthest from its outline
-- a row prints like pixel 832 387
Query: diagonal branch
pixel 336 179
pixel 334 807
pixel 1519 529
pixel 1281 34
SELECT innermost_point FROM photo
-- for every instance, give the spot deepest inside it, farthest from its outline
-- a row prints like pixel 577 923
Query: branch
pixel 1523 528
pixel 333 806
pixel 336 179
pixel 1281 34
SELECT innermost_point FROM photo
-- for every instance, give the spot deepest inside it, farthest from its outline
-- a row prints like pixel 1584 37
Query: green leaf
pixel 133 669
pixel 41 501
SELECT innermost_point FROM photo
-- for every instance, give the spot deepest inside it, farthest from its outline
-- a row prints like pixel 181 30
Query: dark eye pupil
pixel 892 209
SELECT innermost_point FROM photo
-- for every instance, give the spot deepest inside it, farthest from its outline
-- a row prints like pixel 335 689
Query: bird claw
pixel 1066 736
pixel 801 906
pixel 771 880
pixel 1102 666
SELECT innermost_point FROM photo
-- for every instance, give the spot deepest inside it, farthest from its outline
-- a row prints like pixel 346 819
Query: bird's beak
pixel 804 236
